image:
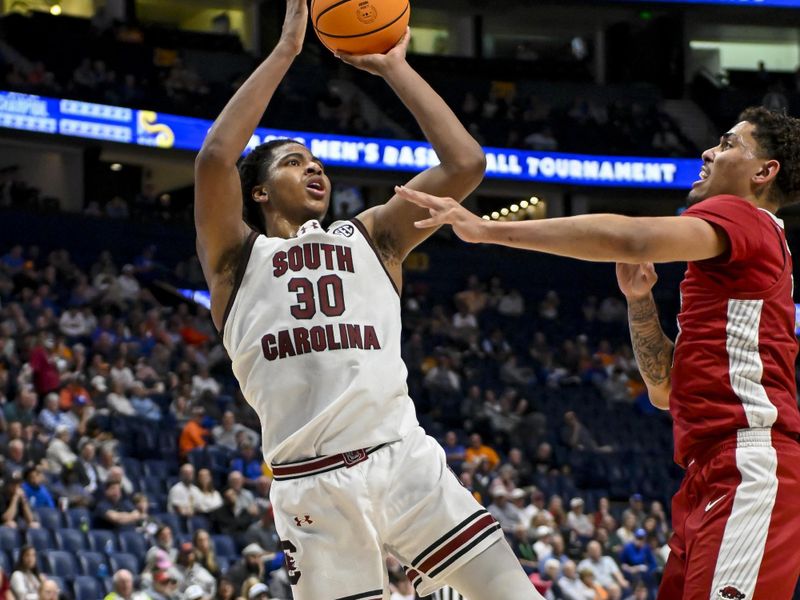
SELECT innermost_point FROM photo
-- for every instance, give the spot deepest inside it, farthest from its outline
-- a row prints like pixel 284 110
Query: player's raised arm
pixel 599 238
pixel 221 231
pixel 462 162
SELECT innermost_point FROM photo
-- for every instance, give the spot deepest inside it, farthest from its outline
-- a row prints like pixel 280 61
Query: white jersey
pixel 313 330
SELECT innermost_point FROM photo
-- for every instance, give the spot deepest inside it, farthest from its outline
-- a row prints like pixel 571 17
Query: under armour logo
pixel 310 226
pixel 306 519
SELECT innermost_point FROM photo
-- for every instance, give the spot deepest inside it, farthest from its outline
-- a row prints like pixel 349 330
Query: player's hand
pixel 445 211
pixel 379 64
pixel 636 281
pixel 294 24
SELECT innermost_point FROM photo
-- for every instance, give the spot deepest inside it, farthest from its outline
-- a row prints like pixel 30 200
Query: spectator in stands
pixel 118 401
pixel 226 519
pixel 123 589
pixel 70 488
pixel 14 504
pixel 21 409
pixel 114 512
pixel 225 589
pixel 245 500
pixel 250 565
pixel 86 466
pixel 51 416
pixel 73 324
pixel 637 559
pixel 116 474
pixel 194 435
pixel 74 392
pixel 163 586
pixel 640 592
pixel 35 489
pixel 184 495
pixel 263 532
pixel 49 590
pixel 143 404
pixel 571 585
pixel 229 433
pixel 15 457
pixel 605 569
pixel 478 452
pixel 454 451
pixel 544 542
pixel 208 497
pixel 43 364
pixel 163 549
pixel 192 572
pixel 592 589
pixel 247 463
pixel 579 522
pixel 635 508
pixel 204 552
pixel 575 435
pixel 26 580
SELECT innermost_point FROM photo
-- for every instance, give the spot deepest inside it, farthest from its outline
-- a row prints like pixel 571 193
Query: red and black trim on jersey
pixel 373 595
pixel 321 464
pixel 453 545
pixel 244 258
pixel 360 226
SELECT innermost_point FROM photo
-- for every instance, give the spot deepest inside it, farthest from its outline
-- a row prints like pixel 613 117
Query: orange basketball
pixel 360 26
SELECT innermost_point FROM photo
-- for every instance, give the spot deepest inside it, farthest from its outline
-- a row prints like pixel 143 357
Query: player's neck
pixel 762 202
pixel 281 227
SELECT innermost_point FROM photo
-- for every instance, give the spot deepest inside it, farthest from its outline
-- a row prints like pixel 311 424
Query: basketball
pixel 360 26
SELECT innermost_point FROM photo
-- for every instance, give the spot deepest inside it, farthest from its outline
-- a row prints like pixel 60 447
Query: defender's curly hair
pixel 778 135
pixel 253 171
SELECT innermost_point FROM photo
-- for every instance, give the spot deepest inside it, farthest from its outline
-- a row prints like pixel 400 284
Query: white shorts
pixel 339 516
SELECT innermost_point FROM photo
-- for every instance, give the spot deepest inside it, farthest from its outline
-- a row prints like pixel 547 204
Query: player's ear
pixel 260 194
pixel 767 173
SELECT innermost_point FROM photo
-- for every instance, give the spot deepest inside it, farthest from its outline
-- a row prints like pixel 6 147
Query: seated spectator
pixel 226 520
pixel 204 552
pixel 26 581
pixel 571 585
pixel 114 512
pixel 123 587
pixel 183 496
pixel 263 532
pixel 163 549
pixel 506 480
pixel 35 489
pixel 14 504
pixel 624 534
pixel 579 522
pixel 86 466
pixel 192 572
pixel 106 460
pixel 248 463
pixel 59 453
pixel 477 452
pixel 521 465
pixel 250 565
pixel 51 416
pixel 636 509
pixel 49 590
pixel 22 408
pixel 606 572
pixel 511 304
pixel 225 589
pixel 118 401
pixel 575 435
pixel 15 458
pixel 637 559
pixel 245 500
pixel 593 590
pixel 116 474
pixel 208 497
pixel 144 406
pixel 504 512
pixel 229 433
pixel 163 586
pixel 453 450
pixel 194 592
pixel 74 392
pixel 202 382
pixel 69 489
pixel 193 435
pixel 551 573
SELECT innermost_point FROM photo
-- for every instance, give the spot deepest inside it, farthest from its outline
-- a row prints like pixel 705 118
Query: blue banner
pixel 146 128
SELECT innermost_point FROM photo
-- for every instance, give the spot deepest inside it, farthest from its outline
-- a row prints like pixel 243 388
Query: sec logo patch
pixel 345 230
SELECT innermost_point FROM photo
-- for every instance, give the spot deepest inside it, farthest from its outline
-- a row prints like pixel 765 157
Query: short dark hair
pixel 252 171
pixel 778 135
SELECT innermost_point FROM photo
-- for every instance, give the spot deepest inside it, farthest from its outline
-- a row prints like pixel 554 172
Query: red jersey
pixel 734 362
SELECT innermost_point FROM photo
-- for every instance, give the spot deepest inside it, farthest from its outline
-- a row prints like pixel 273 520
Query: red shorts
pixel 737 522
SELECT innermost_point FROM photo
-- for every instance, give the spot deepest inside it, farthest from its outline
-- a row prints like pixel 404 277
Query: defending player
pixel 729 380
pixel 311 319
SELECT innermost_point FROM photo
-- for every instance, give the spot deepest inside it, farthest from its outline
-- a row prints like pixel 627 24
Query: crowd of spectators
pixel 119 414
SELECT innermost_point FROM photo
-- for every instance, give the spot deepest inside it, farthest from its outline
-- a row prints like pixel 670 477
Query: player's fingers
pixel 428 223
pixel 418 198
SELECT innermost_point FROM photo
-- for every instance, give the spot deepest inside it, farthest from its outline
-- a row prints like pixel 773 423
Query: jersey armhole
pixel 247 250
pixel 360 226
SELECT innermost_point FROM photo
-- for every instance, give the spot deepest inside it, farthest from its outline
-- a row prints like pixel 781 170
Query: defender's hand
pixel 379 64
pixel 636 281
pixel 445 211
pixel 294 24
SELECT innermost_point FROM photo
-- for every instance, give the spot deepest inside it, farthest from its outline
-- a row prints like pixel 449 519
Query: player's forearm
pixel 455 147
pixel 599 238
pixel 235 125
pixel 653 349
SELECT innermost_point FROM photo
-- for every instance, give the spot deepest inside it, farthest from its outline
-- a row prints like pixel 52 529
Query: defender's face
pixel 298 188
pixel 729 167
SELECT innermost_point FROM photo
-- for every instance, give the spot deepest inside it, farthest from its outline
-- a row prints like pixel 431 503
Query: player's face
pixel 729 167
pixel 297 187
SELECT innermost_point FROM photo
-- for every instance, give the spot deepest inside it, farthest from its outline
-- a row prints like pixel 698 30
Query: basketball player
pixel 311 320
pixel 729 379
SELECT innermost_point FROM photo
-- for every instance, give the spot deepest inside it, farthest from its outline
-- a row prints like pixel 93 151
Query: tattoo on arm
pixel 652 348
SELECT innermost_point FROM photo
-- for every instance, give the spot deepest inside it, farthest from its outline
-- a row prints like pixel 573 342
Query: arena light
pixel 535 208
pixel 116 167
pixel 55 10
pixel 514 208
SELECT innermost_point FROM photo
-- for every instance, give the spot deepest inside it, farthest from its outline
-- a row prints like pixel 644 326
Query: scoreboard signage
pixel 88 120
